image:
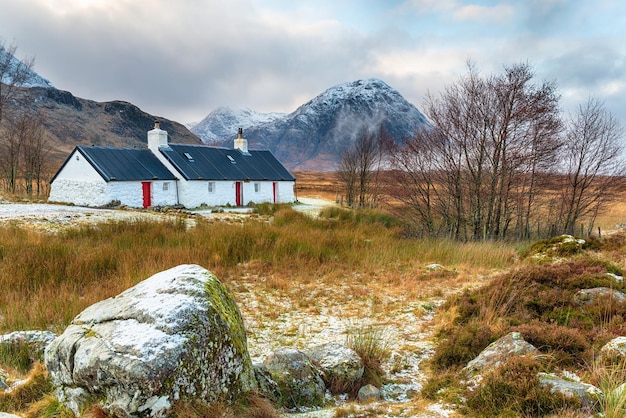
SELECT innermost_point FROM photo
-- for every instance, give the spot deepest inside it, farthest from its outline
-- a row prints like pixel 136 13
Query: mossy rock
pixel 177 335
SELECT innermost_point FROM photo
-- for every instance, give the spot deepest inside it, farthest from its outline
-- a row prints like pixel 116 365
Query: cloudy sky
pixel 181 59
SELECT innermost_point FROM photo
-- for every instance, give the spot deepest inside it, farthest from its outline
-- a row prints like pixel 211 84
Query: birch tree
pixel 592 157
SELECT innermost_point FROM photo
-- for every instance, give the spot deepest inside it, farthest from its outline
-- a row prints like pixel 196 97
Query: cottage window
pixel 257 187
pixel 211 187
pixel 166 186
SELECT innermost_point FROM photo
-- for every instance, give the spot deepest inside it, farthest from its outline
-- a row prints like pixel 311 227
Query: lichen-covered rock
pixel 300 382
pixel 586 296
pixel 368 393
pixel 498 352
pixel 176 335
pixel 341 366
pixel 266 384
pixel 614 349
pixel 37 341
pixel 589 395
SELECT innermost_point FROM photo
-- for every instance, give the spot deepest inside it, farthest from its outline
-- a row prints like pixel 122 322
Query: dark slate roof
pixel 124 164
pixel 200 162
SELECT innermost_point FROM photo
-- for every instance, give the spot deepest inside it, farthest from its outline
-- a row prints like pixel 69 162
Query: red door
pixel 145 187
pixel 238 194
pixel 274 190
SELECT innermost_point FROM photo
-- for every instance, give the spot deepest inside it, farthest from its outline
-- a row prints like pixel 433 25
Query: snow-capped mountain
pixel 8 64
pixel 315 135
pixel 223 123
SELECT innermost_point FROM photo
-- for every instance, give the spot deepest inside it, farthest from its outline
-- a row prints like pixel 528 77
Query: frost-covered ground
pixel 302 315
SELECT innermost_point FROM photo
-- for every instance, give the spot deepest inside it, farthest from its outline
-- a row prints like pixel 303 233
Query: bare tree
pixel 356 168
pixel 35 151
pixel 10 154
pixel 489 138
pixel 13 73
pixel 592 156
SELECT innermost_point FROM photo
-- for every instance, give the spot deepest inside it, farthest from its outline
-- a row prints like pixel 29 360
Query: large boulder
pixel 341 366
pixel 299 381
pixel 496 353
pixel 176 335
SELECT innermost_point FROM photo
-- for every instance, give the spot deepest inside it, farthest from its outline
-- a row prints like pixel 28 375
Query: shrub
pixel 461 345
pixel 514 390
pixel 566 345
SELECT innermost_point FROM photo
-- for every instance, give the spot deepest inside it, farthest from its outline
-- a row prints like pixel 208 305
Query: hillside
pixel 71 121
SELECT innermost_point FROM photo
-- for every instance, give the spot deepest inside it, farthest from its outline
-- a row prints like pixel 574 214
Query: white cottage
pixel 169 174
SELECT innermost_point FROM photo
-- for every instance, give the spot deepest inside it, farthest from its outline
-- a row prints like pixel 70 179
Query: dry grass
pixel 291 278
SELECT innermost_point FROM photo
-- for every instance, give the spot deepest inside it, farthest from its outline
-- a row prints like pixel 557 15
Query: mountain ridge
pixel 314 136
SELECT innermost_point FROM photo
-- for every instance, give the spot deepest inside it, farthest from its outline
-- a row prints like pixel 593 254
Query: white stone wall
pixel 285 192
pixel 79 192
pixel 130 193
pixel 99 193
pixel 195 193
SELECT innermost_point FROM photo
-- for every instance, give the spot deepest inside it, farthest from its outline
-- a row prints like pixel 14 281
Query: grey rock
pixel 368 393
pixel 300 382
pixel 267 386
pixel 587 296
pixel 176 335
pixel 589 395
pixel 616 348
pixel 341 366
pixel 498 352
pixel 5 415
pixel 37 342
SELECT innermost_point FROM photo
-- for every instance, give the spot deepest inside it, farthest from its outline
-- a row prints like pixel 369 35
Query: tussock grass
pixel 47 279
pixel 373 346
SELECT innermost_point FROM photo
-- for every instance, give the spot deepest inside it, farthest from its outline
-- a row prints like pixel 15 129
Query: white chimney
pixel 241 143
pixel 157 138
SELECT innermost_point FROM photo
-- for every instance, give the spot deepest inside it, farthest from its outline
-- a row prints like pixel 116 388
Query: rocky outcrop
pixel 299 381
pixel 589 395
pixel 341 366
pixel 498 352
pixel 176 335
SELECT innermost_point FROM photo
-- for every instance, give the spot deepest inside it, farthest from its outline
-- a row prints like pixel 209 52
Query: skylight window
pixel 232 160
pixel 188 156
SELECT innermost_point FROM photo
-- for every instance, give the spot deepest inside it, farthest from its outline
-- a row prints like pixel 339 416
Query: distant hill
pixel 71 121
pixel 315 135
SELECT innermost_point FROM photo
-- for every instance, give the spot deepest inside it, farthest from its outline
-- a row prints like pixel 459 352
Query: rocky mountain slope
pixel 223 122
pixel 314 136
